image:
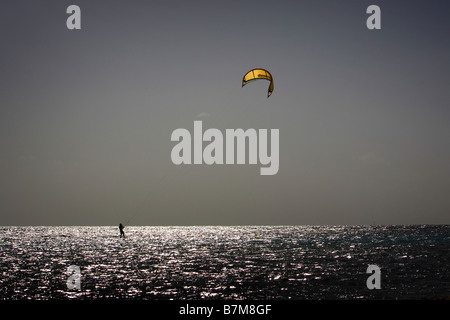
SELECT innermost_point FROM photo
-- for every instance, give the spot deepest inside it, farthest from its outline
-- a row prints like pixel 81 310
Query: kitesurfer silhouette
pixel 122 234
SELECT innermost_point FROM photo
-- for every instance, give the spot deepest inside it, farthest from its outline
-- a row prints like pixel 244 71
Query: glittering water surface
pixel 322 262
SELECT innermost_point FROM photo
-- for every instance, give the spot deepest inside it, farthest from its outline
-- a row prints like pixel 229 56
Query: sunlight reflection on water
pixel 308 262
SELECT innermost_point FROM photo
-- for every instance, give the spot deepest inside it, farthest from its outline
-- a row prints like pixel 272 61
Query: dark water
pixel 323 262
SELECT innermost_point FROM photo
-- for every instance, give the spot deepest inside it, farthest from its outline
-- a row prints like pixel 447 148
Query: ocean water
pixel 273 262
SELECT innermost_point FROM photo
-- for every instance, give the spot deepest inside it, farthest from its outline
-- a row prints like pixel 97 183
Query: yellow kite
pixel 257 74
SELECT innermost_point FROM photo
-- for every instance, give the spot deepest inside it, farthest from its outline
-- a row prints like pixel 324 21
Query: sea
pixel 225 262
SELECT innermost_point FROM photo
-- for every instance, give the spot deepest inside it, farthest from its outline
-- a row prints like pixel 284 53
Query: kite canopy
pixel 257 74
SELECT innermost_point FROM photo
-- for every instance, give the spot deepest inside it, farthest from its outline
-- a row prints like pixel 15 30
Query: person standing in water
pixel 122 234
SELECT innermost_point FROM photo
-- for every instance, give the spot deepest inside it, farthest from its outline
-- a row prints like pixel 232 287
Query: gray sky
pixel 86 116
